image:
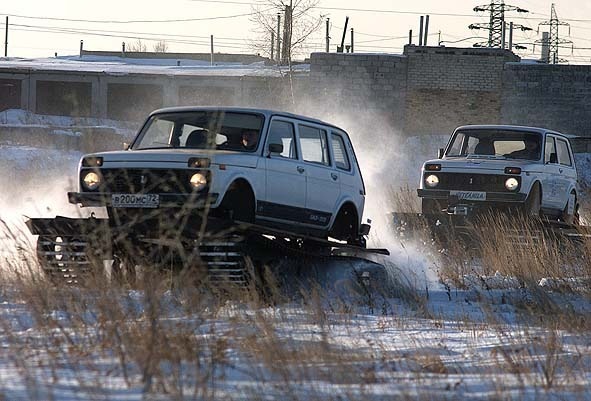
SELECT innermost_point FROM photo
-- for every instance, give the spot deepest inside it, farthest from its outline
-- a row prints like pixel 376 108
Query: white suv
pixel 259 166
pixel 500 166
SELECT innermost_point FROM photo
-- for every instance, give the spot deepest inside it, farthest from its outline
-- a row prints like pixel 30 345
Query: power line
pixel 124 33
pixel 131 21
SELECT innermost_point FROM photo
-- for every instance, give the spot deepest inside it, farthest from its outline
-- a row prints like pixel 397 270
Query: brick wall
pixel 448 87
pixel 357 83
pixel 553 96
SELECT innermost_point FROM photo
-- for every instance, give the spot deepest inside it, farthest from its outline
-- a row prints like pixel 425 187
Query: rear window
pixel 563 153
pixel 341 159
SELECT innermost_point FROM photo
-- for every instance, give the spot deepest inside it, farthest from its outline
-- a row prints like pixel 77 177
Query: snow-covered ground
pixel 425 339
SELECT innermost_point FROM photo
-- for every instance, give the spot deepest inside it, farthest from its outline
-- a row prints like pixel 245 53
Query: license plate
pixel 469 195
pixel 135 200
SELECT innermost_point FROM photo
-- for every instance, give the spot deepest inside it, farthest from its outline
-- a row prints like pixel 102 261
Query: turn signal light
pixel 198 162
pixel 92 161
pixel 512 170
pixel 433 167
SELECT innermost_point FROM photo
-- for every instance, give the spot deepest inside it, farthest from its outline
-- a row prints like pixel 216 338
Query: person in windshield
pixel 484 147
pixel 530 152
pixel 249 138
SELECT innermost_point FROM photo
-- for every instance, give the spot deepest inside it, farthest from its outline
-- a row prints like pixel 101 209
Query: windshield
pixel 201 130
pixel 495 143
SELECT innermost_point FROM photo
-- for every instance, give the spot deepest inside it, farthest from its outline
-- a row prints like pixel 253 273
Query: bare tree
pixel 298 22
pixel 137 46
pixel 161 46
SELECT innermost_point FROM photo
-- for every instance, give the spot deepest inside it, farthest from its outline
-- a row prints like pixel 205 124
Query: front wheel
pixel 570 214
pixel 533 203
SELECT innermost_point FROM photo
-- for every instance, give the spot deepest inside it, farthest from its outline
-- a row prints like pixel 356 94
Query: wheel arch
pixel 346 203
pixel 239 181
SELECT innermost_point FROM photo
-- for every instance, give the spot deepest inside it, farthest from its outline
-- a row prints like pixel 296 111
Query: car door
pixel 322 180
pixel 566 170
pixel 551 175
pixel 285 194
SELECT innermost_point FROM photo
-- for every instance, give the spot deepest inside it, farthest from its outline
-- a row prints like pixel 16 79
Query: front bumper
pixel 101 199
pixel 496 197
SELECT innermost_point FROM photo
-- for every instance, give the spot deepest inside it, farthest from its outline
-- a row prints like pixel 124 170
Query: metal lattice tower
pixel 554 41
pixel 497 9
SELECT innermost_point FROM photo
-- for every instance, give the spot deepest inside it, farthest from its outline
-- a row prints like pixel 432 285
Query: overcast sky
pixel 39 28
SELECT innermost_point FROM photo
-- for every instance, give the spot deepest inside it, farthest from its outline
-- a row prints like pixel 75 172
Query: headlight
pixel 432 181
pixel 91 181
pixel 198 181
pixel 511 184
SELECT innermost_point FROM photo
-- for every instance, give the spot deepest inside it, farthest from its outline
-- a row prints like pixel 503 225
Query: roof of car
pixel 520 128
pixel 265 112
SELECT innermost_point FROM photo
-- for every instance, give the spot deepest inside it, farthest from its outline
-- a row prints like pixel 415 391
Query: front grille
pixel 472 182
pixel 143 181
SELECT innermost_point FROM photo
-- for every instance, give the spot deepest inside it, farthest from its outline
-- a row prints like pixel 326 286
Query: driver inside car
pixel 249 138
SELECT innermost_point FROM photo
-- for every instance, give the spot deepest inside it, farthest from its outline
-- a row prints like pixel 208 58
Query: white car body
pixel 470 181
pixel 289 191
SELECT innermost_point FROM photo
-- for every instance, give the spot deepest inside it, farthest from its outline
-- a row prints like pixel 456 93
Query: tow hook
pixel 458 210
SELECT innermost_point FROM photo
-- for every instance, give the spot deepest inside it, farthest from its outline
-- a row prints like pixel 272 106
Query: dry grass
pixel 175 336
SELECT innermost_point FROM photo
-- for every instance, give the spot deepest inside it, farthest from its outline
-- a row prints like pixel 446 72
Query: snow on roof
pixel 113 65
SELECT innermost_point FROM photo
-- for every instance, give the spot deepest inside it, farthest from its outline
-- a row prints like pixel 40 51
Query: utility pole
pixel 272 45
pixel 554 41
pixel 6 39
pixel 422 19
pixel 495 27
pixel 426 30
pixel 352 41
pixel 211 39
pixel 278 38
pixel 286 51
pixel 327 35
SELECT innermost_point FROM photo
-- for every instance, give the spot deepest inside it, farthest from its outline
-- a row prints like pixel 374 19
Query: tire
pixel 533 203
pixel 571 218
pixel 345 226
pixel 239 203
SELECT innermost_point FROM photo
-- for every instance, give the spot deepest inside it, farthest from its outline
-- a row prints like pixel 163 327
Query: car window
pixel 283 133
pixel 341 159
pixel 314 145
pixel 550 149
pixel 455 148
pixel 201 129
pixel 563 154
pixel 161 134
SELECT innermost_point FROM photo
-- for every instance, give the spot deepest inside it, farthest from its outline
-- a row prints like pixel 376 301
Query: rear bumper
pixel 197 200
pixel 491 197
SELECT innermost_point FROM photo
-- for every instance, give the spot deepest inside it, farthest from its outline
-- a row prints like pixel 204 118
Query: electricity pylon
pixel 496 25
pixel 554 41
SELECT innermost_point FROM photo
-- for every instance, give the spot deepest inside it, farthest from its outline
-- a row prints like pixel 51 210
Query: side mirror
pixel 553 158
pixel 125 146
pixel 275 148
pixel 440 153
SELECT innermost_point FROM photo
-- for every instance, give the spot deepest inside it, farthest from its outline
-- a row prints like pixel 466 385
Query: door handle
pixel 334 176
pixel 560 170
pixel 301 169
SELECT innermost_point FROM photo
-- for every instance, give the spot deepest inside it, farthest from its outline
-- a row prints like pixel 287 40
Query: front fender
pixel 221 182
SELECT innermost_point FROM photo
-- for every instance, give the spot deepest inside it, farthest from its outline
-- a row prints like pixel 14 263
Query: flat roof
pixel 112 65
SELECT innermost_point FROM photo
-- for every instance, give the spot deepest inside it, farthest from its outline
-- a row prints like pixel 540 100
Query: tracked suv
pixel 211 186
pixel 502 168
pixel 257 166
